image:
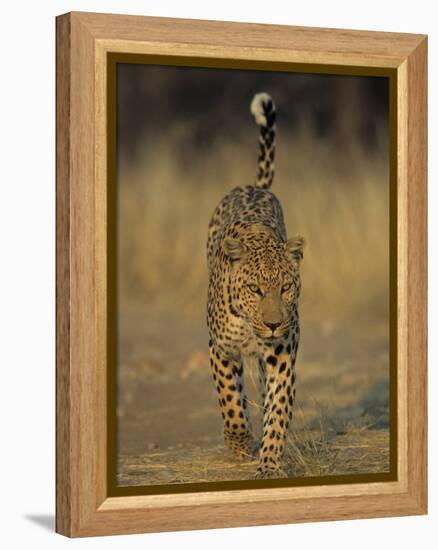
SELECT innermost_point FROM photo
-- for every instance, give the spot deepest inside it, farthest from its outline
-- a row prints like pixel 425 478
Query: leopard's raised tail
pixel 263 109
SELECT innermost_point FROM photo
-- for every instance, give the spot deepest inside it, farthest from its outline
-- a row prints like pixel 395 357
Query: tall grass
pixel 337 199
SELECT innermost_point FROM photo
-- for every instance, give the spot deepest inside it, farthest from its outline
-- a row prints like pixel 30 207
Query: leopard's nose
pixel 272 326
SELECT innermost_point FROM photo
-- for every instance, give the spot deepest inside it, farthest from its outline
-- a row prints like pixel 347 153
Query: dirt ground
pixel 169 424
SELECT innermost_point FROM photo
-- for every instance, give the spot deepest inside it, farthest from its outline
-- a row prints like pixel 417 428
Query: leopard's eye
pixel 254 288
pixel 286 287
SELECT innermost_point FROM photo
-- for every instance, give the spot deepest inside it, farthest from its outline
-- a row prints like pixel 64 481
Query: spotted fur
pixel 252 310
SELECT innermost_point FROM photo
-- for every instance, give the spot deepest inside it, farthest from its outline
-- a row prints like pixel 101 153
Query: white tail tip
pixel 257 108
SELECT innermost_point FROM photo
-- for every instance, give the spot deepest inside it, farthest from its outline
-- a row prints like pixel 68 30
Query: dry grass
pixel 309 452
pixel 339 202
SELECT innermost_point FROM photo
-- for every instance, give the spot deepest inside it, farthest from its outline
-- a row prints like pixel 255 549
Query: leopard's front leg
pixel 228 377
pixel 279 362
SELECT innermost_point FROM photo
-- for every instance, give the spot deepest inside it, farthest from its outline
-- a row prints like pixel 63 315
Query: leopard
pixel 254 286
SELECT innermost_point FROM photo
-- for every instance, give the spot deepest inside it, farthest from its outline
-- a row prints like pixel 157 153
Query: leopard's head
pixel 264 281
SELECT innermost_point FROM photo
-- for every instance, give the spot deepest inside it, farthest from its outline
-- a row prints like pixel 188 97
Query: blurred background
pixel 185 137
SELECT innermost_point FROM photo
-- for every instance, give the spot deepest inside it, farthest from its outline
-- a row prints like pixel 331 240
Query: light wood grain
pixel 83 41
pixel 63 410
pixel 402 269
pixel 249 40
pixel 417 274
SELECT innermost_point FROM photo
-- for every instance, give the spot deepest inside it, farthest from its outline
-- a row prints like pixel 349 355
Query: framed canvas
pixel 235 349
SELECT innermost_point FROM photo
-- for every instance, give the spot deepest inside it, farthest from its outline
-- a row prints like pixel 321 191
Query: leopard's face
pixel 265 284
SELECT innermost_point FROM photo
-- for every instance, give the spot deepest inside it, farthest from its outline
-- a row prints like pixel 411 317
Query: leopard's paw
pixel 269 472
pixel 242 447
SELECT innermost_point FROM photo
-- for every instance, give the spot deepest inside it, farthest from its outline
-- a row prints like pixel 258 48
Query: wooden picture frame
pixel 84 42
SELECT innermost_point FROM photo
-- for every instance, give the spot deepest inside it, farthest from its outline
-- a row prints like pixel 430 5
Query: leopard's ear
pixel 295 246
pixel 233 248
